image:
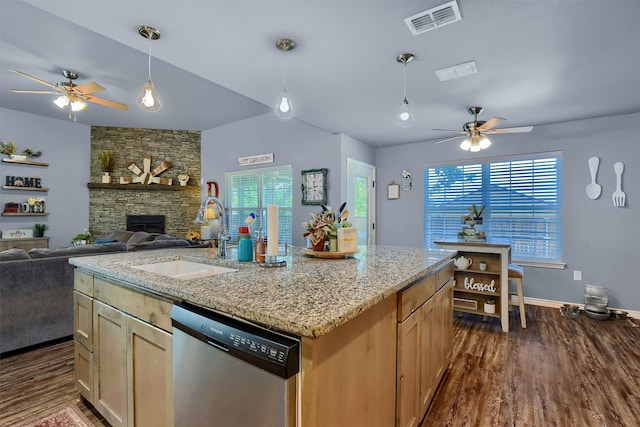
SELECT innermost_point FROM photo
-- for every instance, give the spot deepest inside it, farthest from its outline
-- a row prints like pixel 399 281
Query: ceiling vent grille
pixel 431 19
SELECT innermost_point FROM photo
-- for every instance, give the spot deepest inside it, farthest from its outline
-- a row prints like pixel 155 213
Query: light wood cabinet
pixel 425 316
pixel 110 369
pixel 123 363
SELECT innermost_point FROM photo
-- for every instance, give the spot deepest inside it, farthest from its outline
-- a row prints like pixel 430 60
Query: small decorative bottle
pixel 245 248
pixel 260 248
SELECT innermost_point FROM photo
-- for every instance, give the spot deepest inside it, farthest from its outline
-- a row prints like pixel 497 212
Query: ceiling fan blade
pixel 492 122
pixel 35 79
pixel 45 92
pixel 510 130
pixel 448 139
pixel 87 88
pixel 450 130
pixel 106 102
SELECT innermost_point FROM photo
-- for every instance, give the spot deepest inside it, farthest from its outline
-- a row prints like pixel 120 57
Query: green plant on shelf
pixel 40 229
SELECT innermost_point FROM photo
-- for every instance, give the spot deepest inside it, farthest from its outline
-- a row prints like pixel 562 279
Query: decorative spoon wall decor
pixel 593 189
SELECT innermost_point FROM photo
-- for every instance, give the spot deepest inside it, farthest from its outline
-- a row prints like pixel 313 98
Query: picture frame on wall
pixel 393 190
pixel 314 187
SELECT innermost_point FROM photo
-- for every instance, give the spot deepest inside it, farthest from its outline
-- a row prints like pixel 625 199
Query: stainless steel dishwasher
pixel 231 373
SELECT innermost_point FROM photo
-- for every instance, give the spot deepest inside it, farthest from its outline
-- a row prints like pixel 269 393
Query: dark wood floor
pixel 557 372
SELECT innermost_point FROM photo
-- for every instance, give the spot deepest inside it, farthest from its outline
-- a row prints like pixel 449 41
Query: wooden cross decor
pixel 146 175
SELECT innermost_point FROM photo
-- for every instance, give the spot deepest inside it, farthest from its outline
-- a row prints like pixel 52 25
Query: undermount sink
pixel 183 270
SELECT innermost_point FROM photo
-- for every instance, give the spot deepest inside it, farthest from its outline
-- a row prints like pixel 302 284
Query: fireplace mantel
pixel 143 187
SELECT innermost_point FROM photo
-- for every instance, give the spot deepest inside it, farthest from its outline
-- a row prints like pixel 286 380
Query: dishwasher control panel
pixel 267 349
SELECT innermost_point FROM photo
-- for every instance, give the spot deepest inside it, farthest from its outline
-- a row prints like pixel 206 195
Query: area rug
pixel 65 416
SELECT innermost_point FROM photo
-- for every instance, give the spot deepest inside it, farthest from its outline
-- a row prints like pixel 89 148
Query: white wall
pixel 291 141
pixel 66 146
pixel 598 239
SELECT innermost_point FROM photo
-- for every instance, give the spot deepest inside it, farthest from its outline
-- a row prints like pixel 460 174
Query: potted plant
pixel 320 226
pixel 8 148
pixel 40 229
pixel 490 306
pixel 82 238
pixel 108 163
pixel 30 152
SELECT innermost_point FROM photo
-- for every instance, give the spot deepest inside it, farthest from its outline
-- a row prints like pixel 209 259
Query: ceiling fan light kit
pixel 148 99
pixel 283 107
pixel 474 133
pixel 405 115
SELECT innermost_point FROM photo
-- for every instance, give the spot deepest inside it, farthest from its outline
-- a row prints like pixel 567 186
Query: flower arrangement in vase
pixel 318 228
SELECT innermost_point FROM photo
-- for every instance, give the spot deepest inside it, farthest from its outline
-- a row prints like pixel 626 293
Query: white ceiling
pixel 539 61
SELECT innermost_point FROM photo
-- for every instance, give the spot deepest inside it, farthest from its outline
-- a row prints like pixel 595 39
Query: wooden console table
pixel 497 257
pixel 24 243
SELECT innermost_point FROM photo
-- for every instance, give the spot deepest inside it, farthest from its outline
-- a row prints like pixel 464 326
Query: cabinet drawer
pixel 411 298
pixel 150 308
pixel 444 274
pixel 83 282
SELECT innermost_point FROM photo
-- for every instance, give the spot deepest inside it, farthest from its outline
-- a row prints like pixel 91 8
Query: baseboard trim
pixel 557 304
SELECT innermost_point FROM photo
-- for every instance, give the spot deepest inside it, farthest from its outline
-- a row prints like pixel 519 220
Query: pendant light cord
pixel 404 71
pixel 284 69
pixel 149 37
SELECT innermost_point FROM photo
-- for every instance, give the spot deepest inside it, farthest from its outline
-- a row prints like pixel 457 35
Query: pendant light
pixel 148 99
pixel 405 114
pixel 283 107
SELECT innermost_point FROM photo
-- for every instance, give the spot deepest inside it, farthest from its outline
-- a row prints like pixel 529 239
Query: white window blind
pixel 522 198
pixel 253 190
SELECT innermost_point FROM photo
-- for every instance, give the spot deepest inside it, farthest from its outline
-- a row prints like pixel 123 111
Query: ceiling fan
pixel 475 132
pixel 70 94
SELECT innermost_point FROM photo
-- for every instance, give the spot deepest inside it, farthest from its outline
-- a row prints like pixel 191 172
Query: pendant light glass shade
pixel 283 107
pixel 405 115
pixel 148 99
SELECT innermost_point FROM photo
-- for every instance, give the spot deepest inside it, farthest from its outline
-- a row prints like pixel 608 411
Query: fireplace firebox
pixel 148 223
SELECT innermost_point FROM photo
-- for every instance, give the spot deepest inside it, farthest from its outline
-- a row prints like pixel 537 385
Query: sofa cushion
pixel 158 244
pixel 77 250
pixel 120 235
pixel 140 237
pixel 13 254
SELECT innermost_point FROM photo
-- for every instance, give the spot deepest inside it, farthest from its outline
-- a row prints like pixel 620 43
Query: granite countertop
pixel 309 297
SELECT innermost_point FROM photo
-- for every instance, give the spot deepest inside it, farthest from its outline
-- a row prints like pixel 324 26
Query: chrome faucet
pixel 223 235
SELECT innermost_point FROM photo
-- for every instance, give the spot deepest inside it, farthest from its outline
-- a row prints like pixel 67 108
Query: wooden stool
pixel 516 273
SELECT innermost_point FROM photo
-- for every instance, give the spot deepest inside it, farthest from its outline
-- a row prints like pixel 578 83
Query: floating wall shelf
pixel 25 162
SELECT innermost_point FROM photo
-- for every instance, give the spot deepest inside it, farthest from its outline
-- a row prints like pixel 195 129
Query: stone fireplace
pixel 111 204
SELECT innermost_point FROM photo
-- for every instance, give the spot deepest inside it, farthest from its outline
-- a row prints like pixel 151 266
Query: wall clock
pixel 314 187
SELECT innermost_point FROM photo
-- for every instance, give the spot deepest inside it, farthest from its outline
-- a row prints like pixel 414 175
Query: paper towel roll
pixel 272 229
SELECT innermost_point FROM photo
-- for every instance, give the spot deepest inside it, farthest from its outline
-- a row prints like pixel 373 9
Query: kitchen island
pixel 346 312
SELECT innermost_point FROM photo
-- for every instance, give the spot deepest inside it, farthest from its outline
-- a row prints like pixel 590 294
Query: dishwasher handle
pixel 218 345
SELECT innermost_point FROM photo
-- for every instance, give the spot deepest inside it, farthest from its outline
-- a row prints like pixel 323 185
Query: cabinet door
pixel 110 367
pixel 408 376
pixel 428 346
pixel 83 362
pixel 438 350
pixel 150 375
pixel 448 322
pixel 83 320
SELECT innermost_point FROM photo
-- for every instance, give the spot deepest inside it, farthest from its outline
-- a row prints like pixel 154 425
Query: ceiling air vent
pixel 431 19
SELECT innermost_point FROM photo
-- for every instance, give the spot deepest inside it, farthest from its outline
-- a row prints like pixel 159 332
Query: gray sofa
pixel 36 287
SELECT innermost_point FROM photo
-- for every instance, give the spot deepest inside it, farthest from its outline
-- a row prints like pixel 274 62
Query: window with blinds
pixel 522 196
pixel 251 191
